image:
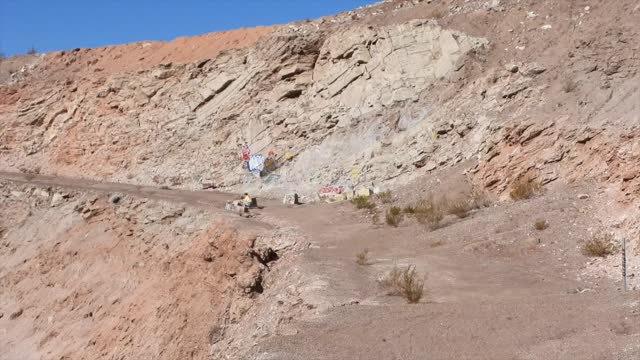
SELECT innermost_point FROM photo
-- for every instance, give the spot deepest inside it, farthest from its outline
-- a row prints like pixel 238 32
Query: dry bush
pixel 569 85
pixel 458 207
pixel 541 225
pixel 362 258
pixel 429 212
pixel 412 286
pixel 525 188
pixel 385 197
pixel 480 199
pixel 599 246
pixel 375 216
pixel 439 13
pixel 405 283
pixel 394 216
pixel 461 206
pixel 436 243
pixel 410 210
pixel 365 203
pixel 362 202
pixel 390 281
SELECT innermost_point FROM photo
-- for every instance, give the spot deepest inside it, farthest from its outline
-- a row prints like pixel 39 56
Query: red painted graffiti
pixel 331 190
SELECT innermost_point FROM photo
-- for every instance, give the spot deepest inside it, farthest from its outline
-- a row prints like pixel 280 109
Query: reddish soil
pixel 104 61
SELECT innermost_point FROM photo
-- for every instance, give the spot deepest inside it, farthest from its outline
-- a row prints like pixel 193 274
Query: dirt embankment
pixel 102 277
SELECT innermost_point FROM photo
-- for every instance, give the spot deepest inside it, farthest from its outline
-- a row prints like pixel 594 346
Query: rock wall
pixel 181 124
pixel 373 96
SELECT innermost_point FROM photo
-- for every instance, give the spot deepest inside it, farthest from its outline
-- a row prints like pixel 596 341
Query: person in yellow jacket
pixel 247 200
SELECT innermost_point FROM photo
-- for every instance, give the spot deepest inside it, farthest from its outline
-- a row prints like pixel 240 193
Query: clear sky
pixel 50 25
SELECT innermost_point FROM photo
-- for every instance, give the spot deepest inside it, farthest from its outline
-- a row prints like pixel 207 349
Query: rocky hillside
pixel 451 104
pixel 377 96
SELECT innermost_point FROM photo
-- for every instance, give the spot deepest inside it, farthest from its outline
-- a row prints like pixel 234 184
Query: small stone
pixel 512 68
pixel 16 314
pixel 115 198
pixel 533 69
pixel 583 196
pixel 41 193
pixel 57 200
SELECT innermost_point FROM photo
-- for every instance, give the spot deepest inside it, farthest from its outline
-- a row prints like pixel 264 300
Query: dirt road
pixel 495 288
pixel 200 198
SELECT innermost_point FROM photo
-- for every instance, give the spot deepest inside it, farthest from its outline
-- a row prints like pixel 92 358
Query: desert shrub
pixel 458 207
pixel 410 210
pixel 375 216
pixel 385 197
pixel 525 188
pixel 540 225
pixel 599 246
pixel 412 286
pixel 405 283
pixel 429 212
pixel 394 216
pixel 362 258
pixel 436 243
pixel 439 13
pixel 480 199
pixel 390 282
pixel 362 202
pixel 569 85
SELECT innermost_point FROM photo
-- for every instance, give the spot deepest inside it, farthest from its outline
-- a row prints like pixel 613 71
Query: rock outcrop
pixel 379 95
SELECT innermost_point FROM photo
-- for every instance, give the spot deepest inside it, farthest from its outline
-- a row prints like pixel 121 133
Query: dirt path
pixel 492 291
pixel 209 199
pixel 477 306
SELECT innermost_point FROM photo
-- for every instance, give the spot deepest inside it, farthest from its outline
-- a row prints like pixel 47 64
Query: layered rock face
pixel 184 123
pixel 377 97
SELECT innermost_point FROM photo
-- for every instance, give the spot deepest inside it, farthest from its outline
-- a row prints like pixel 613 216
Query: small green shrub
pixel 362 202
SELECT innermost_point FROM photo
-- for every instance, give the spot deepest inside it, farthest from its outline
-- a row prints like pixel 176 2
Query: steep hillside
pixel 384 95
pixel 454 99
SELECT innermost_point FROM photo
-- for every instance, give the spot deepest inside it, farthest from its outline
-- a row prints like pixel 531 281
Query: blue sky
pixel 50 25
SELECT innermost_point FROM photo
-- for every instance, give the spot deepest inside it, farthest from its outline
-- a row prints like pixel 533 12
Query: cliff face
pixel 378 96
